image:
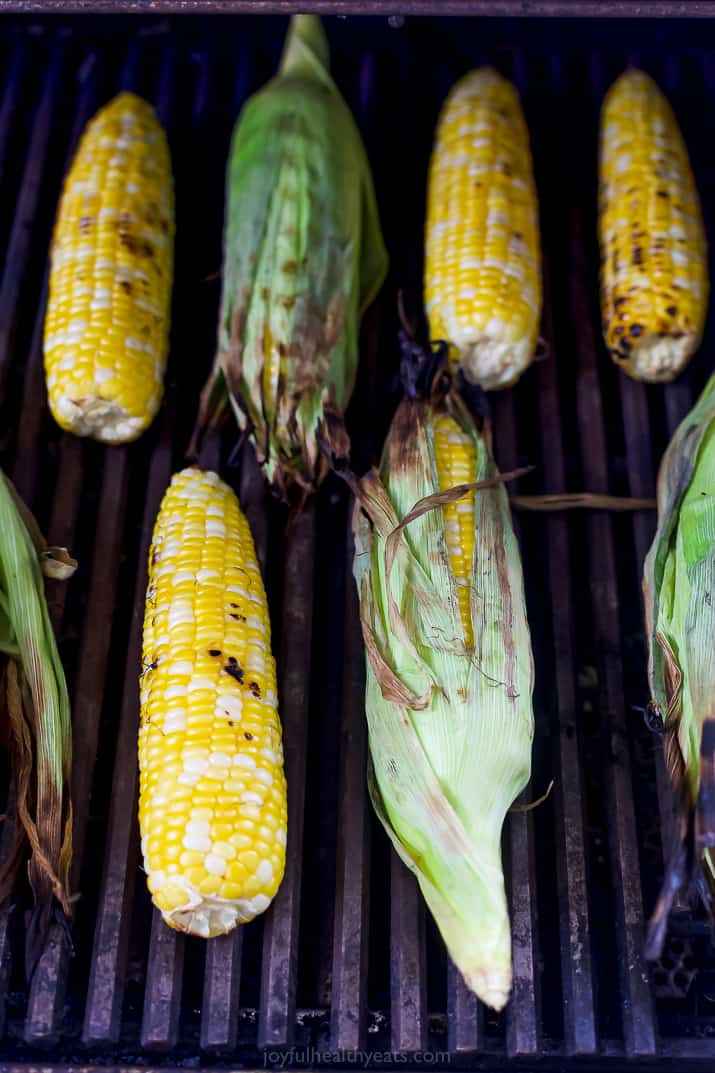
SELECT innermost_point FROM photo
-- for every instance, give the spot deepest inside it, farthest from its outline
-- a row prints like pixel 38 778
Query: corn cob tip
pixel 493 364
pixel 209 917
pixel 102 419
pixel 657 358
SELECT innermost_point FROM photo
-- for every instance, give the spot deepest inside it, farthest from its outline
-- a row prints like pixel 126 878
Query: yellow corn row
pixel 654 283
pixel 456 458
pixel 212 807
pixel 482 252
pixel 107 324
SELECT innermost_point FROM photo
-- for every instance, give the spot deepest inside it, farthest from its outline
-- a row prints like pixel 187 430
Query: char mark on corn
pixel 107 322
pixel 654 282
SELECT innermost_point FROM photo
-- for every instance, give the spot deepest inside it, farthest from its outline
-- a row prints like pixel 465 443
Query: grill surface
pixel 346 959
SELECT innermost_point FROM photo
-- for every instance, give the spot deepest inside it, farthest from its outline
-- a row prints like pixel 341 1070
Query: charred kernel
pixel 672 311
pixel 636 330
pixel 214 651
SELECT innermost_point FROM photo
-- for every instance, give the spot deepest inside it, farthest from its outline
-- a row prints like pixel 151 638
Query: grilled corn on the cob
pixel 654 282
pixel 212 808
pixel 482 252
pixel 303 258
pixel 35 707
pixel 679 581
pixel 449 674
pixel 107 323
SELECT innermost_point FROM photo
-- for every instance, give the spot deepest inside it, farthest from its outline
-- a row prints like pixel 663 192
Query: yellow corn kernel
pixel 482 253
pixel 107 323
pixel 206 804
pixel 456 458
pixel 654 282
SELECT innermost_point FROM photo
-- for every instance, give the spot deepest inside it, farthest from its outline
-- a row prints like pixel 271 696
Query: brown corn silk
pixel 33 696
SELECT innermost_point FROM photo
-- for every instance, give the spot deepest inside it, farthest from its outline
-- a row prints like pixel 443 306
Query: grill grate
pixel 347 960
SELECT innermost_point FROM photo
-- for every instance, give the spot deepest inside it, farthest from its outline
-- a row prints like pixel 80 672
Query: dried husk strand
pixel 559 501
pixel 450 726
pixel 679 595
pixel 303 259
pixel 33 695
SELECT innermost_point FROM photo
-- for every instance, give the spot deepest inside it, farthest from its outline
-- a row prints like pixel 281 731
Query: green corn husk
pixel 679 591
pixel 303 258
pixel 450 728
pixel 34 698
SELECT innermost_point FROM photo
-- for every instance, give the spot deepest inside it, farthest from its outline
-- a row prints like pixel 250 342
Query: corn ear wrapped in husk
pixel 35 702
pixel 449 675
pixel 303 258
pixel 679 591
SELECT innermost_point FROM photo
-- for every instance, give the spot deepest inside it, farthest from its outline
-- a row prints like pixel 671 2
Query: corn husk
pixel 679 591
pixel 34 698
pixel 303 258
pixel 450 727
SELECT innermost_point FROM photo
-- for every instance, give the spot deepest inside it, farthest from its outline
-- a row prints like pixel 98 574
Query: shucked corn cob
pixel 654 282
pixel 482 252
pixel 678 584
pixel 212 806
pixel 303 259
pixel 449 675
pixel 107 324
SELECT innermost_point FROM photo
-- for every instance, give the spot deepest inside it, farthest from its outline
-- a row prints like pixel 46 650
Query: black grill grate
pixel 347 960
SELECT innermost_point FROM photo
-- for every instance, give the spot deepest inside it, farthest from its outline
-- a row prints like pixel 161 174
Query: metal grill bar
pixel 465 1015
pixel 106 981
pixel 219 1020
pixel 521 1016
pixel 23 230
pixel 351 932
pixel 576 967
pixel 162 999
pixel 408 1022
pixel 541 8
pixel 637 1012
pixel 280 948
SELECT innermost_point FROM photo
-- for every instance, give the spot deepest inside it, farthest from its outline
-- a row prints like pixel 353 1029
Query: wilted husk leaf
pixel 679 591
pixel 33 696
pixel 303 258
pixel 450 726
